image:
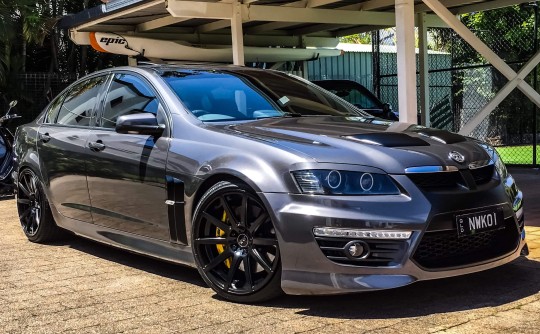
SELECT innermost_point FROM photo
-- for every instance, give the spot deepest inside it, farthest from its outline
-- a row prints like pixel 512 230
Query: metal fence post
pixel 535 85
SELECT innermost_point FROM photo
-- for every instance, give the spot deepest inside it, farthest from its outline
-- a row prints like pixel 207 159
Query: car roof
pixel 158 68
pixel 197 66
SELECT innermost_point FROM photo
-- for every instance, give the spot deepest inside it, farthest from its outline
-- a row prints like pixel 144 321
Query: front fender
pixel 26 155
pixel 259 174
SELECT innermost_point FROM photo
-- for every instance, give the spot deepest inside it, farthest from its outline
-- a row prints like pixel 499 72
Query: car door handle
pixel 96 146
pixel 44 137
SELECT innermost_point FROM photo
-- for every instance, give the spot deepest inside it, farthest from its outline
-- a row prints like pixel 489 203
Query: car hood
pixel 364 141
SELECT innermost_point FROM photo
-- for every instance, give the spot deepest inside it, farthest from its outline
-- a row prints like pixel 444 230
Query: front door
pixel 126 172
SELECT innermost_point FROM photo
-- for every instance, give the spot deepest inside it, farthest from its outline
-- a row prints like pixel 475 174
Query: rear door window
pixel 79 105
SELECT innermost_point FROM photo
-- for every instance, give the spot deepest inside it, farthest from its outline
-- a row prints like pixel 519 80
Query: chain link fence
pixel 38 90
pixel 462 82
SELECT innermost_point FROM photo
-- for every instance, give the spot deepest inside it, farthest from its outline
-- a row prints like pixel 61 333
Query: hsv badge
pixel 457 157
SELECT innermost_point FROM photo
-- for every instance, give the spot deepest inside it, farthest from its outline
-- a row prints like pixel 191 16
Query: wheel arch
pixel 31 164
pixel 213 179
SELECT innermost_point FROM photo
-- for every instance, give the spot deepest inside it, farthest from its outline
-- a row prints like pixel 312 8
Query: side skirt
pixel 159 249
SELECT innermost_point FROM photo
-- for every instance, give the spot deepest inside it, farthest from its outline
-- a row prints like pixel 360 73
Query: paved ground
pixel 77 286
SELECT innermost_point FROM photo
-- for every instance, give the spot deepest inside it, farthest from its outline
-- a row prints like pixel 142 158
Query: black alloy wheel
pixel 235 244
pixel 34 212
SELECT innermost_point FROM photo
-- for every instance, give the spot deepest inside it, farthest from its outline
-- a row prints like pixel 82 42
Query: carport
pixel 285 27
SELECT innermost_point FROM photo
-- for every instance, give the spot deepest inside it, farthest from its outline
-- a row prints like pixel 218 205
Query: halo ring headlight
pixel 366 182
pixel 343 182
pixel 334 179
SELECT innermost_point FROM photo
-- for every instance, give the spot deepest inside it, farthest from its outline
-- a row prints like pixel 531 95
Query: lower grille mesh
pixel 443 249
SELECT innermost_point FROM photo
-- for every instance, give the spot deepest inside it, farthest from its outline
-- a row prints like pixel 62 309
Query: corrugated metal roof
pixel 133 15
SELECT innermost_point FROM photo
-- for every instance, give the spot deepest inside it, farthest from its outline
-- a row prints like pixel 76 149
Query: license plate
pixel 481 221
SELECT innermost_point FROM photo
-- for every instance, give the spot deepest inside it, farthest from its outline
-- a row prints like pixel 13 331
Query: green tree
pixel 11 62
pixel 363 38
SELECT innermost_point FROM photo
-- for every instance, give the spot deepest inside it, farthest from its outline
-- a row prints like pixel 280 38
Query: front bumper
pixel 307 270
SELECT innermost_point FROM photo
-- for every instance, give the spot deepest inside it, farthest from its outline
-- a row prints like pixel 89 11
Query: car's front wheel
pixel 35 215
pixel 235 244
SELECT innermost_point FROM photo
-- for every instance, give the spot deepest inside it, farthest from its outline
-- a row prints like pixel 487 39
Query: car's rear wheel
pixel 35 215
pixel 235 244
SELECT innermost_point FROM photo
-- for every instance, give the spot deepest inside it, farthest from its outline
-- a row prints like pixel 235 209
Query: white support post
pixel 423 69
pixel 487 53
pixel 500 96
pixel 406 61
pixel 237 34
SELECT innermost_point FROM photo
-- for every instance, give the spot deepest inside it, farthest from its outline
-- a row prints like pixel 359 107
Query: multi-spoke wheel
pixel 34 212
pixel 235 244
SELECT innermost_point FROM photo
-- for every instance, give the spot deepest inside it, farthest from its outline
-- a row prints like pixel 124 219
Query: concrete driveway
pixel 78 286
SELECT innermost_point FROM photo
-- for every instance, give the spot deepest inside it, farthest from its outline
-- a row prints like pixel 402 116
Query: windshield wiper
pixel 291 114
pixel 285 114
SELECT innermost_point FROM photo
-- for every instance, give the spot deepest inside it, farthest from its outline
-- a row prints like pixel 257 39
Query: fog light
pixel 356 249
pixel 361 234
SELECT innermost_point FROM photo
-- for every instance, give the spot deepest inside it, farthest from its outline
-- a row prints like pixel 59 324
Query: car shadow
pixel 492 288
pixel 154 266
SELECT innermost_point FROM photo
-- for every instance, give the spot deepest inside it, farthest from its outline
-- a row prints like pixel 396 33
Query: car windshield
pixel 247 94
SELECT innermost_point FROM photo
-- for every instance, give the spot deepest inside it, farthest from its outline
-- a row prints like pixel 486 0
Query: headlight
pixel 335 182
pixel 499 164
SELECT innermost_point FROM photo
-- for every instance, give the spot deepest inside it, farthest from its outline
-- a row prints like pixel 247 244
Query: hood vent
pixel 441 136
pixel 388 139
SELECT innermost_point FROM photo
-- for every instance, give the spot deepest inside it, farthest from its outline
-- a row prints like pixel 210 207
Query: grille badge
pixel 456 156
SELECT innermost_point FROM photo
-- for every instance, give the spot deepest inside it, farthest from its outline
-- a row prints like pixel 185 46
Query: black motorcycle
pixel 6 153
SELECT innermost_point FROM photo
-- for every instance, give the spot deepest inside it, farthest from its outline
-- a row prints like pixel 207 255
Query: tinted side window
pixel 363 100
pixel 52 112
pixel 127 95
pixel 80 102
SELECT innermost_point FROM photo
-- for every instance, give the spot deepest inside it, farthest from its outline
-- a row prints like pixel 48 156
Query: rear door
pixel 126 172
pixel 62 147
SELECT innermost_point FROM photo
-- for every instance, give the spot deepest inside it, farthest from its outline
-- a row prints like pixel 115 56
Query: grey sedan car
pixel 264 182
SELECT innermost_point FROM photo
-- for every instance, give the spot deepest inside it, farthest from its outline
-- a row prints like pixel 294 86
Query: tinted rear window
pixel 79 104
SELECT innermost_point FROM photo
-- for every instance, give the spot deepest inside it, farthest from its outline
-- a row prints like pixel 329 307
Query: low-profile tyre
pixel 35 215
pixel 235 244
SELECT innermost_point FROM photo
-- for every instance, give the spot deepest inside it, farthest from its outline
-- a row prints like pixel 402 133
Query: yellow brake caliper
pixel 220 233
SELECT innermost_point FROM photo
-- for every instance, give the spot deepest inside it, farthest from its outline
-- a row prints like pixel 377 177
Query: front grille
pixel 436 180
pixel 483 174
pixel 469 178
pixel 443 249
pixel 381 252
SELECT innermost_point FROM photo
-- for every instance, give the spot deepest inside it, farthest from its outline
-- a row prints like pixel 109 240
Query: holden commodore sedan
pixel 264 182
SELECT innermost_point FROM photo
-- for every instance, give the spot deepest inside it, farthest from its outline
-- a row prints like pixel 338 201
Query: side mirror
pixel 140 124
pixel 13 103
pixel 387 107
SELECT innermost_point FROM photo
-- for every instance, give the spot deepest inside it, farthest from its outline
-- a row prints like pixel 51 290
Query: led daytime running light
pixel 362 234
